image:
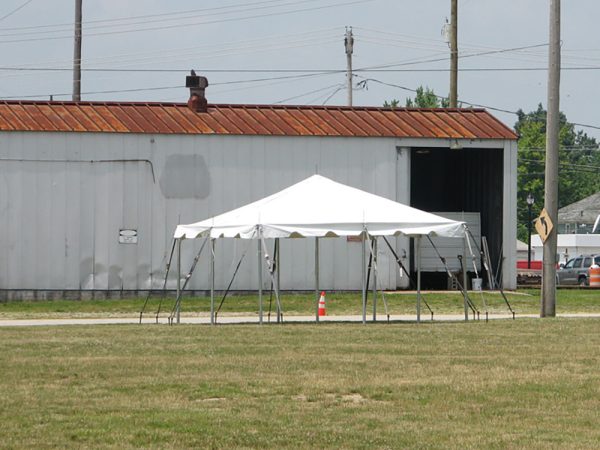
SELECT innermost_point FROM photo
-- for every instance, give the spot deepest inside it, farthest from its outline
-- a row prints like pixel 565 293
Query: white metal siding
pixel 60 221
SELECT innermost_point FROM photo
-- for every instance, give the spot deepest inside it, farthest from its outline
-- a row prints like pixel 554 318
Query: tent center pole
pixel 317 279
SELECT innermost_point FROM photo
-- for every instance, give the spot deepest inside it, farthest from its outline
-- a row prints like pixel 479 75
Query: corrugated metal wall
pixel 64 197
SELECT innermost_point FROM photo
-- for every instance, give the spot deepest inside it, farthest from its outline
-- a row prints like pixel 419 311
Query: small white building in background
pixel 91 192
pixel 522 251
pixel 569 246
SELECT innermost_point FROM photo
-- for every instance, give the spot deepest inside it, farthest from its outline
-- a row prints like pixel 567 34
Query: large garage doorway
pixel 469 180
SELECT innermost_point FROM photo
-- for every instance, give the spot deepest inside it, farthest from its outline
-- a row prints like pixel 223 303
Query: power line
pixel 137 70
pixel 158 88
pixel 306 93
pixel 14 11
pixel 185 25
pixel 68 25
pixel 584 167
pixel 248 43
pixel 566 149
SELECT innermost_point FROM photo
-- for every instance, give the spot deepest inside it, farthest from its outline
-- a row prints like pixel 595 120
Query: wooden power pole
pixel 454 54
pixel 548 300
pixel 77 53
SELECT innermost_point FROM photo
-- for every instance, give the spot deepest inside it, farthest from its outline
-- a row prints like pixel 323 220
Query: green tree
pixel 424 98
pixel 579 164
pixel 391 104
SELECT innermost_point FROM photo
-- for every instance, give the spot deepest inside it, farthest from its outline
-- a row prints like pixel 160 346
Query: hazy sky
pixel 277 36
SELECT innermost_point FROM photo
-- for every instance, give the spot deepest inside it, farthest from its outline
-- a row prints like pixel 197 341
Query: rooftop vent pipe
pixel 197 101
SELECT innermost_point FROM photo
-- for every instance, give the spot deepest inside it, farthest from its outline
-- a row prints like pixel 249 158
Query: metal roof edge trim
pixel 234 105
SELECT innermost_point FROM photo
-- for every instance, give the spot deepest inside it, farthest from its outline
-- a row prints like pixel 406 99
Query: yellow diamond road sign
pixel 543 225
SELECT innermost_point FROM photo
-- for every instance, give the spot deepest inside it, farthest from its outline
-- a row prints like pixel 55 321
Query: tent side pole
pixel 260 279
pixel 364 279
pixel 464 273
pixel 374 271
pixel 212 281
pixel 178 300
pixel 418 255
pixel 277 251
pixel 317 279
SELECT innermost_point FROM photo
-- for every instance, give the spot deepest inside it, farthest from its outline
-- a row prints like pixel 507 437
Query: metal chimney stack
pixel 197 85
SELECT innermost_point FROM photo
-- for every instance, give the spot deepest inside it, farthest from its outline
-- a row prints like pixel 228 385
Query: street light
pixel 530 201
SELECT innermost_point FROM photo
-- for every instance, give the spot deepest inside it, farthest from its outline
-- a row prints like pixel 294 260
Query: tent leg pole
pixel 364 280
pixel 464 274
pixel 212 281
pixel 260 281
pixel 178 300
pixel 418 255
pixel 317 279
pixel 374 272
pixel 276 250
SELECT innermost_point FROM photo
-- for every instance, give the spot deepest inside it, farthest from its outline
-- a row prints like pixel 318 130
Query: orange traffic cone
pixel 322 311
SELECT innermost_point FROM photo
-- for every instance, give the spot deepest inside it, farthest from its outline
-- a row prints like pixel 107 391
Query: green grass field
pixel 524 302
pixel 527 383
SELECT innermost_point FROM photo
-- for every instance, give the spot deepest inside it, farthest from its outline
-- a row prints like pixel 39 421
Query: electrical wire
pixel 364 70
pixel 305 94
pixel 16 10
pixel 476 105
pixel 158 88
pixel 332 94
pixel 185 25
pixel 68 25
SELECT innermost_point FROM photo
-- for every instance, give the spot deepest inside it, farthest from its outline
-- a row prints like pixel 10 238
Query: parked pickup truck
pixel 575 271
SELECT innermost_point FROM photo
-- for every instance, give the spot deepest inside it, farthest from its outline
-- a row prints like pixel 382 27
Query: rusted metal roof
pixel 276 120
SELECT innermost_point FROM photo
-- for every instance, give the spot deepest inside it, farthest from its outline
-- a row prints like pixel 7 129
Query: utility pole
pixel 548 300
pixel 349 44
pixel 454 54
pixel 77 53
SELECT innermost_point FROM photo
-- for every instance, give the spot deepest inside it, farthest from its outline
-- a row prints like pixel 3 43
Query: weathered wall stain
pixel 185 176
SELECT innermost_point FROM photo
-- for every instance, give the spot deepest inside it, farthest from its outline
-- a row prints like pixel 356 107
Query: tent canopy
pixel 320 207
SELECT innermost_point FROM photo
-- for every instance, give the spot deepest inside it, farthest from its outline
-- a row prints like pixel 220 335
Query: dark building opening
pixel 469 180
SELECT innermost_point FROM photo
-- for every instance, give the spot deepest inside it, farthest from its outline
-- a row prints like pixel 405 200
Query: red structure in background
pixel 535 265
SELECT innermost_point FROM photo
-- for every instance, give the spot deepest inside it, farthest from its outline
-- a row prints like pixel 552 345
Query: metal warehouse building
pixel 91 193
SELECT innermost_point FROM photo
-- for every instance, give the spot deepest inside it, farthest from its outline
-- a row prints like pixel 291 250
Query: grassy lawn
pixel 524 302
pixel 505 384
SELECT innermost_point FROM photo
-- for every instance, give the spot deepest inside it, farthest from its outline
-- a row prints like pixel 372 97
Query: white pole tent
pixel 319 207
